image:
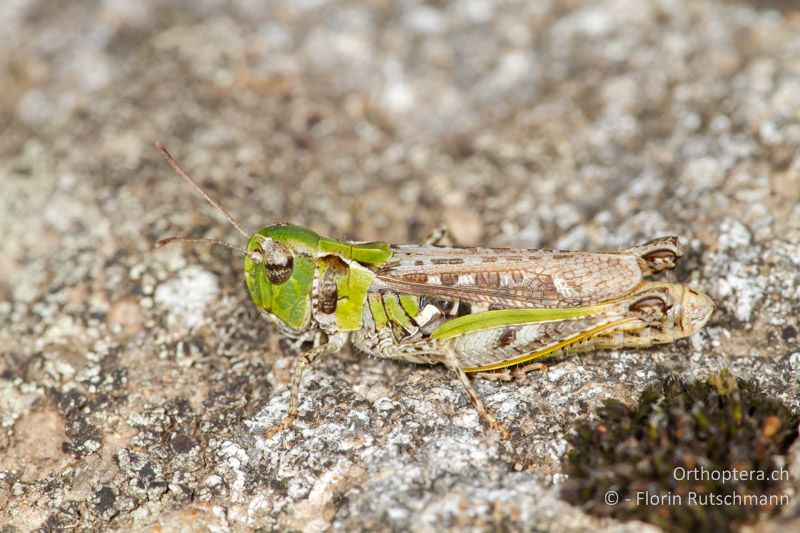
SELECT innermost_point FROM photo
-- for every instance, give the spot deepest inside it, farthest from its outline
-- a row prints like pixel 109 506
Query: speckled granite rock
pixel 135 384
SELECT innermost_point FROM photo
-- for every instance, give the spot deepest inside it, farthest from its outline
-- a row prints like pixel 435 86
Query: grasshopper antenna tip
pixel 182 173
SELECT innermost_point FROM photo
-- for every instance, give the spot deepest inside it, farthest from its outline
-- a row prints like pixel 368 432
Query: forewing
pixel 508 278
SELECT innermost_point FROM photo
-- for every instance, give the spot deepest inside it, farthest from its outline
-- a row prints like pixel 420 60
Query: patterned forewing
pixel 507 278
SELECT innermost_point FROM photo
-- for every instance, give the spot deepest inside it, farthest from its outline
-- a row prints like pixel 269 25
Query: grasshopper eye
pixel 278 263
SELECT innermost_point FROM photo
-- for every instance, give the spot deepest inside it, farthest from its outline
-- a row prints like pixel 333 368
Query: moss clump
pixel 667 460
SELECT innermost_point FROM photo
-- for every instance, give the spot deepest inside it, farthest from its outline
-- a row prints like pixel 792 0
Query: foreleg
pixel 333 345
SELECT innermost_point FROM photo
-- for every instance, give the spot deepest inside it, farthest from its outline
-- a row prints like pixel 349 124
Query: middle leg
pixel 484 413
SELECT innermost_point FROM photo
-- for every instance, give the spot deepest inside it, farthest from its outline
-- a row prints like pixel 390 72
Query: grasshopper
pixel 474 310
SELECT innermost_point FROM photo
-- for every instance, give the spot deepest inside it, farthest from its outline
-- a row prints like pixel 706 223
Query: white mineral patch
pixel 236 457
pixel 186 296
pixel 733 234
pixel 743 292
pixel 213 481
pixel 794 362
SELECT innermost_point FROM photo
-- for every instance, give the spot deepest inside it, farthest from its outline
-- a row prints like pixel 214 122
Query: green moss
pixel 705 430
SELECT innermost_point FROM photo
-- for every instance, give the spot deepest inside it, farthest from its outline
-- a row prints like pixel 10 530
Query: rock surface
pixel 135 385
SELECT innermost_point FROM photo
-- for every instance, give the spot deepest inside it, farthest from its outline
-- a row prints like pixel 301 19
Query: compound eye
pixel 278 263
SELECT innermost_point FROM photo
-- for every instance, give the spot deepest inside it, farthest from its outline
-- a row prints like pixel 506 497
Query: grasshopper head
pixel 279 272
pixel 279 260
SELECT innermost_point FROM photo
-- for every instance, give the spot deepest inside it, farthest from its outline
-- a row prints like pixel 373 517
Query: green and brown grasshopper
pixel 474 310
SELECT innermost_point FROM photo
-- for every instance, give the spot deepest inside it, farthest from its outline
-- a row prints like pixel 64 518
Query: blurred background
pixel 134 383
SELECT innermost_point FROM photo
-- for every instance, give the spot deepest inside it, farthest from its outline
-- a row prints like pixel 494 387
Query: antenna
pixel 255 256
pixel 182 173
